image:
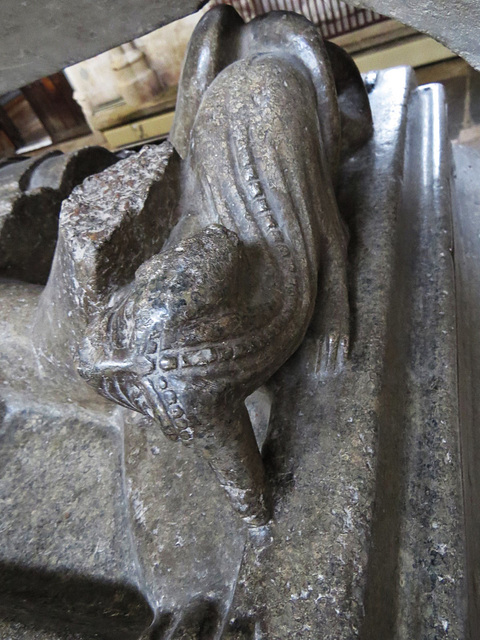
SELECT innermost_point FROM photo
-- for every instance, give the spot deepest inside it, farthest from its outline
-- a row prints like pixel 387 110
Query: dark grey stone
pixel 367 536
pixel 467 257
pixel 211 317
pixel 69 561
pixel 31 192
pixel 40 38
pixel 185 278
pixel 37 38
pixel 454 23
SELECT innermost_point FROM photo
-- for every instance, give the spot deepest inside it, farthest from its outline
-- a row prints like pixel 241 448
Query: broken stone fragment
pixel 31 194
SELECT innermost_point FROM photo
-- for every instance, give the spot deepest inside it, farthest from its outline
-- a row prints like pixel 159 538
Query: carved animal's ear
pixel 213 46
pixel 355 113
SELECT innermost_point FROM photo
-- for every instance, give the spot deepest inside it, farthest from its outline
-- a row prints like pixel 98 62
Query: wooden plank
pixel 10 130
pixel 51 98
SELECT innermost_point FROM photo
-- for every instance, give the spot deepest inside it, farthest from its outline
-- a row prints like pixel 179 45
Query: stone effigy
pixel 208 288
pixel 228 299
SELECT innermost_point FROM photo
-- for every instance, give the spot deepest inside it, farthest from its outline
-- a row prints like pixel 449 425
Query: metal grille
pixel 333 17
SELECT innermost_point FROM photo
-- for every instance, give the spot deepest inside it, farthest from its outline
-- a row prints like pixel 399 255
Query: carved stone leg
pixel 230 448
pixel 330 327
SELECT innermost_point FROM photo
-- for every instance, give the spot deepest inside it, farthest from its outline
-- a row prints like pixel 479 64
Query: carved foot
pixel 330 326
pixel 331 355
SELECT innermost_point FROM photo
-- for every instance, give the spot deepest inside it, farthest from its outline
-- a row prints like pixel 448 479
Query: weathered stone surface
pixel 467 259
pixel 65 32
pixel 66 556
pixel 189 540
pixel 62 33
pixel 454 23
pixel 31 193
pixel 431 566
pixel 66 525
pixel 18 631
pixel 38 38
pixel 112 530
pixel 367 536
pixel 212 316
